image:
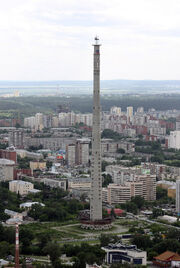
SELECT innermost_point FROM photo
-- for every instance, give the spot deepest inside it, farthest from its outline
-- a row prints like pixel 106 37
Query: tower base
pixel 104 224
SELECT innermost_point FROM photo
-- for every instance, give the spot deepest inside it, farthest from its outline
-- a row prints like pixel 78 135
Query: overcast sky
pixel 52 39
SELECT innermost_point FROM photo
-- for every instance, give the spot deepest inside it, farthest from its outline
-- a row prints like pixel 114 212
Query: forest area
pixel 27 106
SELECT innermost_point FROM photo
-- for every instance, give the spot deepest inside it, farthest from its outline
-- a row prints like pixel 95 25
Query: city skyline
pixel 49 40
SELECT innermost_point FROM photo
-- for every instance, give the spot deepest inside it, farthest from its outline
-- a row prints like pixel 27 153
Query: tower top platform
pixel 96 41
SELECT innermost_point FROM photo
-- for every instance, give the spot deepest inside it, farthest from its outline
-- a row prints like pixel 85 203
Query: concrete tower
pixel 96 184
pixel 178 197
pixel 17 247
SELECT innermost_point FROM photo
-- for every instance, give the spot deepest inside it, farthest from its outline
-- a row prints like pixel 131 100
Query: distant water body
pixel 85 87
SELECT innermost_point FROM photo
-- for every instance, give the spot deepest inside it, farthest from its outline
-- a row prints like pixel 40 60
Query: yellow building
pixel 172 192
pixel 165 184
pixel 37 165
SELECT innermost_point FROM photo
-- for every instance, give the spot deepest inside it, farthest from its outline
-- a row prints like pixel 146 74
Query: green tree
pixel 142 241
pixel 139 201
pixel 121 151
pixel 157 212
pixel 104 240
pixel 53 250
pixel 107 179
pixel 160 193
pixel 6 249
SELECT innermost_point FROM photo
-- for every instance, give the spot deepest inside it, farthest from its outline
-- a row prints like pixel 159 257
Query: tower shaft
pixel 96 183
pixel 17 247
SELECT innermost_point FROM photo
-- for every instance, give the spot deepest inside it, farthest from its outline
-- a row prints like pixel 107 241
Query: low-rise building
pixel 32 155
pixel 15 217
pixel 28 205
pixel 120 253
pixel 165 184
pixel 167 259
pixel 56 183
pixel 37 165
pixel 80 188
pixel 21 187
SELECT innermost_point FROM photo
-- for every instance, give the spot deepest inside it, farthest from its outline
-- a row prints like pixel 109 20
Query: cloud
pixel 51 39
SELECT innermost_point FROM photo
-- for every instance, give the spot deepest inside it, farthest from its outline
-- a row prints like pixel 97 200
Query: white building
pixel 120 253
pixel 28 205
pixel 174 139
pixel 140 110
pixel 129 113
pixel 119 194
pixel 115 110
pixel 62 184
pixel 21 187
pixel 39 121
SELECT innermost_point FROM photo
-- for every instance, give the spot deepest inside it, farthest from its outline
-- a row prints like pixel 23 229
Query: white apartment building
pixel 29 122
pixel 39 121
pixel 16 138
pixel 178 197
pixel 70 119
pixel 21 187
pixel 130 112
pixel 55 121
pixel 115 110
pixel 157 131
pixel 119 194
pixel 174 140
pixel 84 118
pixel 140 110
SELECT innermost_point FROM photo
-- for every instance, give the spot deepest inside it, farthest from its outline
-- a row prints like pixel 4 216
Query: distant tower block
pixel 96 184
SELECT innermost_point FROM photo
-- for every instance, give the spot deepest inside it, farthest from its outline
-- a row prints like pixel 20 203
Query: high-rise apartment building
pixel 16 138
pixel 82 152
pixel 78 152
pixel 129 113
pixel 140 110
pixel 71 154
pixel 121 193
pixel 174 140
pixel 47 121
pixel 39 121
pixel 115 110
pixel 149 186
